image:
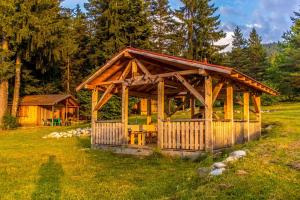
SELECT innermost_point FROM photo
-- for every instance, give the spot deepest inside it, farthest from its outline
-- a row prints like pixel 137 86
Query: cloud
pixel 257 26
pixel 271 18
pixel 226 41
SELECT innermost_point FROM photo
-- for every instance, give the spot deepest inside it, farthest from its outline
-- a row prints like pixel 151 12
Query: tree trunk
pixel 17 87
pixel 3 89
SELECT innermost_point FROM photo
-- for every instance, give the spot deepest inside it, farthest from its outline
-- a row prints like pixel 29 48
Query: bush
pixel 9 122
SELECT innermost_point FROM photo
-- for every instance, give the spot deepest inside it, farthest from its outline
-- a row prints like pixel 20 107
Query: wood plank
pixel 94 113
pixel 125 114
pixel 197 135
pixel 174 131
pixel 169 135
pixel 178 138
pixel 153 78
pixel 208 114
pixel 101 70
pixel 149 113
pixel 246 115
pixel 217 90
pixel 187 135
pixel 104 97
pixel 143 68
pixel 160 111
pixel 230 114
pixel 201 139
pixel 192 135
pixel 191 89
pixel 183 135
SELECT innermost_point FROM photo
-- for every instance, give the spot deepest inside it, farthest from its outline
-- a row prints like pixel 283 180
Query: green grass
pixel 36 168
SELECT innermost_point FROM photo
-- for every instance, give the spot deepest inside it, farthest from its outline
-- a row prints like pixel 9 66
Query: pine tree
pixel 290 64
pixel 35 33
pixel 257 57
pixel 202 24
pixel 117 24
pixel 163 26
pixel 238 54
pixel 6 12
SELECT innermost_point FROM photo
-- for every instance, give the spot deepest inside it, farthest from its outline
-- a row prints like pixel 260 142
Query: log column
pixel 208 114
pixel 94 116
pixel 246 116
pixel 229 115
pixel 125 113
pixel 160 111
pixel 149 120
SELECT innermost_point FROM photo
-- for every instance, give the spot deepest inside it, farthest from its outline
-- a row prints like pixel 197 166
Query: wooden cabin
pixel 161 78
pixel 37 110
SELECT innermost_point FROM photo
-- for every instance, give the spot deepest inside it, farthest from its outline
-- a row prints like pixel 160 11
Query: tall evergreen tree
pixel 257 57
pixel 6 13
pixel 238 53
pixel 290 64
pixel 37 26
pixel 163 26
pixel 202 24
pixel 117 24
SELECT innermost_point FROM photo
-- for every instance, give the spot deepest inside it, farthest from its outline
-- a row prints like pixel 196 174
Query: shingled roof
pixel 45 100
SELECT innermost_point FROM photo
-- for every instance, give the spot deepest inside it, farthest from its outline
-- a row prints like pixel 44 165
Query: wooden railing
pixel 254 130
pixel 107 133
pixel 222 134
pixel 239 132
pixel 183 134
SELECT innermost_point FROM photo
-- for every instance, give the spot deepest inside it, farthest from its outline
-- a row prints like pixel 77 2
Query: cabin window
pixel 23 111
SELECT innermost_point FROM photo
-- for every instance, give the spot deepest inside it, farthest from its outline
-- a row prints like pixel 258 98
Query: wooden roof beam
pixel 153 77
pixel 217 90
pixel 191 89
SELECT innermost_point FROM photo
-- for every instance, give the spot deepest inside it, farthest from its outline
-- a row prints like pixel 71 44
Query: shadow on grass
pixel 48 185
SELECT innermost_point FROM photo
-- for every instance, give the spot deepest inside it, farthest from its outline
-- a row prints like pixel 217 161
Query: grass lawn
pixel 36 168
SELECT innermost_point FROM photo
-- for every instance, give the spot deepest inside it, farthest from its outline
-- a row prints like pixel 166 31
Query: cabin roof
pixel 45 100
pixel 165 62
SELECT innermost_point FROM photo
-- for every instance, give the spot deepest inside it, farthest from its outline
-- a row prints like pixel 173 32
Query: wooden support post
pixel 125 113
pixel 192 105
pixel 183 100
pixel 257 105
pixel 246 116
pixel 52 124
pixel 229 110
pixel 208 114
pixel 94 116
pixel 160 111
pixel 149 119
pixel 134 69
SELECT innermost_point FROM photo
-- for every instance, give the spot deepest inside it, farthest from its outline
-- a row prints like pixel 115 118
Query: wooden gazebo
pixel 154 76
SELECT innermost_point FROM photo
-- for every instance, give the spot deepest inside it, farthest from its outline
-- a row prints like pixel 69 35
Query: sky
pixel 271 18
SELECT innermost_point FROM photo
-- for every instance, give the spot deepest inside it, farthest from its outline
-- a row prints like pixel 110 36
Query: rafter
pixel 191 89
pixel 108 92
pixel 142 68
pixel 217 90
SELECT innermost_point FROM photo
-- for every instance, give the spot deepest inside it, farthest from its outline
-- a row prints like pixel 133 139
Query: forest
pixel 49 49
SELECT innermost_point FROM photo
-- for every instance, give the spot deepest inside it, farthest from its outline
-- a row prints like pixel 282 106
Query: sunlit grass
pixel 36 168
